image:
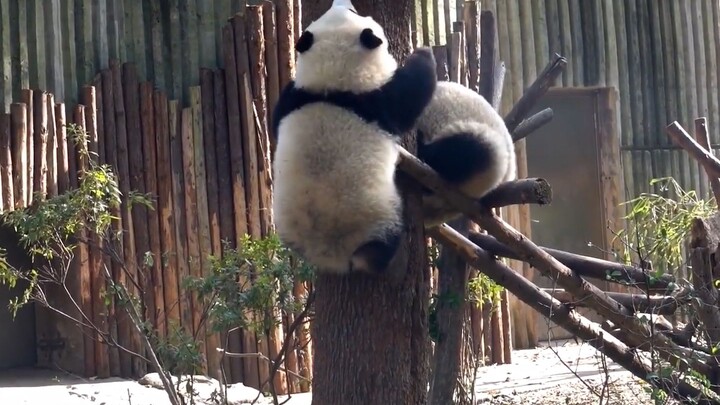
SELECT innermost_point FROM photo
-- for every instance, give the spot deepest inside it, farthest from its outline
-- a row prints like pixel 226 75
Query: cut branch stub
pixel 524 191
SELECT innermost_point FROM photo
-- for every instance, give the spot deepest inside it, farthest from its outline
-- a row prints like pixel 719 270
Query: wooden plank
pixel 203 223
pixel 36 43
pixel 225 198
pixel 63 169
pixel 6 71
pixel 137 184
pixel 178 208
pixel 207 90
pixel 711 41
pixel 119 360
pixel 127 364
pixel 97 278
pixel 175 82
pixel 159 64
pixel 149 153
pixel 206 28
pixel 39 140
pixel 425 23
pixel 6 169
pixel 626 135
pixel 577 43
pixel 92 365
pixel 471 17
pixel 271 64
pixel 297 19
pixel 165 211
pixel 250 365
pixel 256 45
pixel 286 42
pixel 27 98
pixel 447 21
pixel 189 45
pixel 69 54
pixel 436 21
pixel 455 63
pixel 99 33
pixel 566 41
pixel 191 213
pixel 51 157
pixel 18 128
pixel 540 34
pixel 527 43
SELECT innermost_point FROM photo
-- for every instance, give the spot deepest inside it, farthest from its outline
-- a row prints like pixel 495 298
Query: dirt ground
pixel 565 373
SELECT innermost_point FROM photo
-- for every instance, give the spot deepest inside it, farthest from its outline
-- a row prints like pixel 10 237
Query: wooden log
pixel 249 137
pixel 129 366
pixel 497 334
pixel 249 343
pixel 18 137
pixel 165 211
pixel 120 363
pixel 506 327
pixel 51 157
pixel 82 267
pixel 459 27
pixel 191 213
pixel 297 19
pixel 225 200
pixel 286 42
pixel 425 22
pixel 149 154
pixel 532 124
pixel 97 278
pixel 212 219
pixel 681 138
pixel 203 224
pixel 138 212
pixel 455 63
pixel 6 163
pixel 178 208
pixel 471 17
pixel 257 76
pixel 441 62
pixel 26 95
pixel 271 64
pixel 487 81
pixel 40 137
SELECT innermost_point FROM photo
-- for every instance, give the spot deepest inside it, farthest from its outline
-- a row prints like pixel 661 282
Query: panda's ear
pixel 305 42
pixel 369 40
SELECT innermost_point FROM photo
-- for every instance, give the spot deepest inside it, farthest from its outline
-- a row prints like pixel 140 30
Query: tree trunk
pixel 370 334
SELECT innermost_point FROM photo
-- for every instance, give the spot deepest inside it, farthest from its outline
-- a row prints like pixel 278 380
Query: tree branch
pixel 586 266
pixel 524 191
pixel 567 318
pixel 532 124
pixel 546 79
pixel 661 305
pixel 681 138
pixel 702 136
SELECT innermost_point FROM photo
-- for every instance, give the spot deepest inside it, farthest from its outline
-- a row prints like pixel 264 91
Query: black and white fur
pixel 466 142
pixel 335 200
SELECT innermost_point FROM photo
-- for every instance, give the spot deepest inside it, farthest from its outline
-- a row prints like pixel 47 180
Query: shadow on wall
pixel 17 335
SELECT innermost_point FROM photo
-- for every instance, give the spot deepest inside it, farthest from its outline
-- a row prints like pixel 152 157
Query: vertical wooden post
pixel 27 98
pixel 51 158
pixel 63 168
pixel 18 131
pixel 286 41
pixel 6 171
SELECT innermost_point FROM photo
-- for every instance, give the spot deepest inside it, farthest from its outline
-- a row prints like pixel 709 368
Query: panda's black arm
pixel 287 102
pixel 410 90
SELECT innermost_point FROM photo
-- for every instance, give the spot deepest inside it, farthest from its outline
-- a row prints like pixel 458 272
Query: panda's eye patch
pixel 369 40
pixel 305 42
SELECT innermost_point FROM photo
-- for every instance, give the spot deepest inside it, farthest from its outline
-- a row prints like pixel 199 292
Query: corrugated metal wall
pixel 58 45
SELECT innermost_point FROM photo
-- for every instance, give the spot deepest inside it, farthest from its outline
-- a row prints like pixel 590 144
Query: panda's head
pixel 343 51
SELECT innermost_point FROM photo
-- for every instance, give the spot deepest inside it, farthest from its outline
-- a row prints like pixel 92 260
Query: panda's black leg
pixel 375 255
pixel 458 157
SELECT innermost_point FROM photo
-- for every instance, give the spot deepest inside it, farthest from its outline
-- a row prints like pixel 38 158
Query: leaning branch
pixel 641 303
pixel 684 140
pixel 569 319
pixel 546 79
pixel 587 266
pixel 702 136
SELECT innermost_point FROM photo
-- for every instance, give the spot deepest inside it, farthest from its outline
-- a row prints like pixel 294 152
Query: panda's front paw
pixel 424 53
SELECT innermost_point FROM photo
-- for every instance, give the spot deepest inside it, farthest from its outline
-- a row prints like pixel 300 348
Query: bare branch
pixel 532 124
pixel 681 138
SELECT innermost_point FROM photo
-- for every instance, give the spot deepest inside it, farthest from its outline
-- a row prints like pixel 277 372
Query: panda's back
pixel 334 182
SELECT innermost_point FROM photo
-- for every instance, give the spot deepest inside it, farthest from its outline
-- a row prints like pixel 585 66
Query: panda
pixel 337 126
pixel 466 142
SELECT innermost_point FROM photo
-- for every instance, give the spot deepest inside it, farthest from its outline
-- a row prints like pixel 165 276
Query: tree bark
pixel 370 334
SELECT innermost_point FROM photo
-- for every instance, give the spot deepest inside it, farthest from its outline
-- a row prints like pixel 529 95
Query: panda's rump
pixel 334 183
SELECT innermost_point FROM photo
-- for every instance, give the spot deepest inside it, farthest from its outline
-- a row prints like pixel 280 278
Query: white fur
pixel 455 108
pixel 337 60
pixel 334 186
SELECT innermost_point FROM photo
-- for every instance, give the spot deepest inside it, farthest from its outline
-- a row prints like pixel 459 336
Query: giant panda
pixel 466 142
pixel 335 201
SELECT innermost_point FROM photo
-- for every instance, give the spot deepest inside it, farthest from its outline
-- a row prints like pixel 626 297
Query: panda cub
pixel 466 142
pixel 337 124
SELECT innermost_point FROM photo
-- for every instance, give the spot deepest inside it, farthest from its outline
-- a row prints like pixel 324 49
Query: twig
pixel 532 124
pixel 568 319
pixel 545 79
pixel 702 136
pixel 585 266
pixel 684 140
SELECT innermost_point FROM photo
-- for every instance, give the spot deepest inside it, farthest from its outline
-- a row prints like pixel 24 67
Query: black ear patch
pixel 305 42
pixel 369 40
